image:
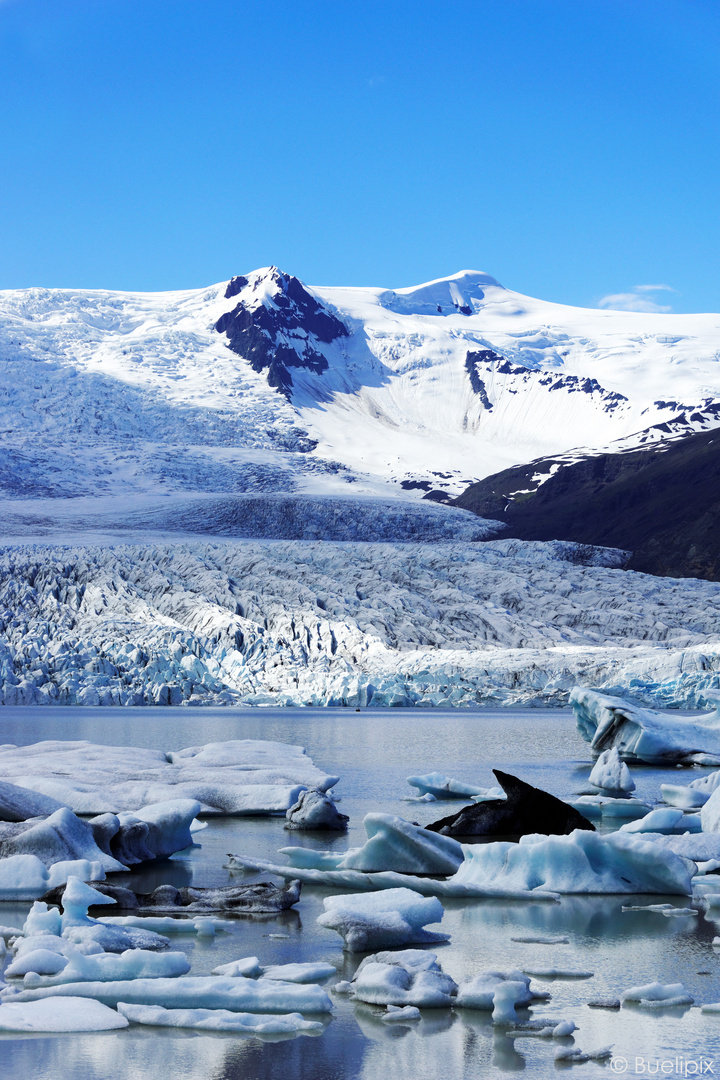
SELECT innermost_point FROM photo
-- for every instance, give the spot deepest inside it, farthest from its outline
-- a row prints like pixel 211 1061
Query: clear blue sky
pixel 571 148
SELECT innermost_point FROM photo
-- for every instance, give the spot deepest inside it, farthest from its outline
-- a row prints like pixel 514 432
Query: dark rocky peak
pixel 277 325
pixel 482 362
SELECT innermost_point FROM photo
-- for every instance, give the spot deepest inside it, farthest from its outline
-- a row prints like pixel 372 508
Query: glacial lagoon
pixel 373 752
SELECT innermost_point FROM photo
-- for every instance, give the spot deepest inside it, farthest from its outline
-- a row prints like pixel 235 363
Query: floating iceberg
pixel 242 776
pixel 60 837
pixel 315 810
pixel 382 920
pixel 480 991
pixel 392 844
pixel 66 1014
pixel 220 1020
pixel 643 734
pixel 579 863
pixel 409 977
pixel 657 995
pixel 192 992
pixel 693 795
pixel 444 787
pixel 25 877
pixel 358 880
pixel 610 774
pixel 664 819
pixel 110 967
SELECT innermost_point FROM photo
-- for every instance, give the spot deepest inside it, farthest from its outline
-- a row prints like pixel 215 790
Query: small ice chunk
pixel 368 921
pixel 42 919
pixel 579 1057
pixel 41 961
pixel 248 967
pixel 342 987
pixel 507 995
pixel 64 1014
pixel 315 810
pixel 299 973
pixel 658 994
pixel 558 973
pixel 401 1013
pixel 479 992
pixel 444 787
pixel 610 774
pixel 604 1003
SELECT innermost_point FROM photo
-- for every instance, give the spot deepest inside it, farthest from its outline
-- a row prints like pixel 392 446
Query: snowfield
pixel 267 384
pixel 329 623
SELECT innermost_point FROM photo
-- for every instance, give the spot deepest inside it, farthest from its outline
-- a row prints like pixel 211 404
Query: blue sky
pixel 571 149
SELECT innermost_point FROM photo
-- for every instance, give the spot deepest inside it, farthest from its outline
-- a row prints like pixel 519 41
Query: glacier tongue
pixel 326 623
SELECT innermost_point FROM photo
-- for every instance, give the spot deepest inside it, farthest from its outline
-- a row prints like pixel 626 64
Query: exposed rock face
pixel 661 503
pixel 277 325
pixel 527 809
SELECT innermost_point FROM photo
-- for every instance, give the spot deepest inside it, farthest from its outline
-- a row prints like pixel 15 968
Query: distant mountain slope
pixel 266 384
pixel 662 503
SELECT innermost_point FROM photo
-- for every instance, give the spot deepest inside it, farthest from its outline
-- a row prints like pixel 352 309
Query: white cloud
pixel 640 299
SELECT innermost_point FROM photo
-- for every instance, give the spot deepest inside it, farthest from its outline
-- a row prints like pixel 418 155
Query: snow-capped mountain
pixel 300 430
pixel 265 384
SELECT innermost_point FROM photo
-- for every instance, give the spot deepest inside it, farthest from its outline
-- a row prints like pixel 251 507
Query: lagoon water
pixel 373 751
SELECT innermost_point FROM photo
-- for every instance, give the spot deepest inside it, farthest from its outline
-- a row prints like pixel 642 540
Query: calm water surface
pixel 373 752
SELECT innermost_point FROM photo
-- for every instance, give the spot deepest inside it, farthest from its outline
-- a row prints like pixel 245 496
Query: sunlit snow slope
pixel 267 385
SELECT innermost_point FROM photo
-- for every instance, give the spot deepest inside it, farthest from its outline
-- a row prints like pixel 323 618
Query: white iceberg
pixel 359 881
pixel 693 795
pixel 111 967
pixel 369 921
pixel 582 862
pixel 444 787
pixel 193 992
pixel 203 925
pixel 311 972
pixel 220 1020
pixel 664 819
pixel 400 1014
pixel 241 776
pixel 610 773
pixel 58 838
pixel 25 877
pixel 392 844
pixel 644 734
pixel 315 810
pixel 479 992
pixel 65 1014
pixel 408 977
pixel 657 995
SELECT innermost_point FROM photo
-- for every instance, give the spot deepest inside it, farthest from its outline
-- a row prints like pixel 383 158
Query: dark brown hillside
pixel 662 503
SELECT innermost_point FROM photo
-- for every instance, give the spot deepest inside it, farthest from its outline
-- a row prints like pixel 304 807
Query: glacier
pixel 261 622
